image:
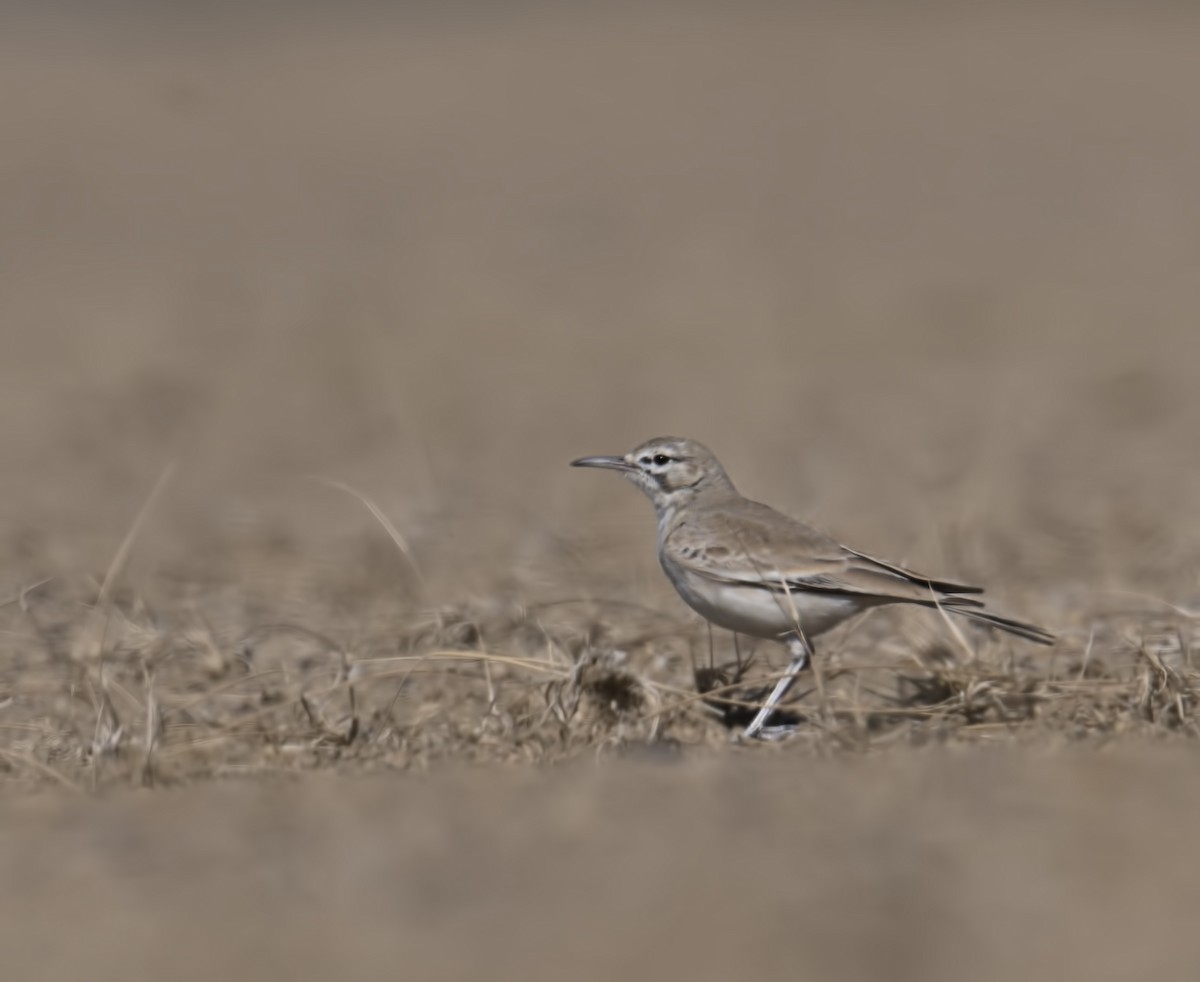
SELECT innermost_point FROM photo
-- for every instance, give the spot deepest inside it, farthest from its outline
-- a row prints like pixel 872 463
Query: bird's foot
pixel 778 732
pixel 772 732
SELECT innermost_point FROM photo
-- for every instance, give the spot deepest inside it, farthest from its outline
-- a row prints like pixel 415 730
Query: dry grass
pixel 919 276
pixel 306 308
pixel 489 682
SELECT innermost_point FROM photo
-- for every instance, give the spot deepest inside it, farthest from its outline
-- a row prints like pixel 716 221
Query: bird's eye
pixel 661 459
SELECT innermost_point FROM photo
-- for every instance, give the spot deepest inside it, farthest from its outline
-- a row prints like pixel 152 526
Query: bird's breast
pixel 757 611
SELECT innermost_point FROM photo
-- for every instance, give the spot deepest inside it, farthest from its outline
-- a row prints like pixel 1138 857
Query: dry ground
pixel 923 866
pixel 927 277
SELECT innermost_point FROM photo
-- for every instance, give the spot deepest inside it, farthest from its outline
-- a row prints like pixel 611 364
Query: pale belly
pixel 763 613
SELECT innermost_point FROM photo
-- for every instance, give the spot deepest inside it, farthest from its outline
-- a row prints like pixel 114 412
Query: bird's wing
pixel 747 543
pixel 940 586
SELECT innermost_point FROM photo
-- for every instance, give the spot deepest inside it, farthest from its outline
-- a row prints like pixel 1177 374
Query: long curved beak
pixel 610 463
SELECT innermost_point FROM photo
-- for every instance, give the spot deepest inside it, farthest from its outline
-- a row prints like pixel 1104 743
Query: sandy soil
pixel 926 277
pixel 911 866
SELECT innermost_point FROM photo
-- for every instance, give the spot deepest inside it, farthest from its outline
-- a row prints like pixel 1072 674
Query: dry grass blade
pixel 377 512
pixel 89 642
pixel 121 557
pixel 514 661
pixel 153 727
pixel 23 593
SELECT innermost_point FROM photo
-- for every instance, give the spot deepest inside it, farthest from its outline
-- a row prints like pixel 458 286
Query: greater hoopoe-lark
pixel 751 569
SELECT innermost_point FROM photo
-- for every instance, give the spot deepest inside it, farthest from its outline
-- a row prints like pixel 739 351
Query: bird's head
pixel 668 469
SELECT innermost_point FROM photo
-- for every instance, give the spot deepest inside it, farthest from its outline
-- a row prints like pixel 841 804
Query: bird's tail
pixel 974 611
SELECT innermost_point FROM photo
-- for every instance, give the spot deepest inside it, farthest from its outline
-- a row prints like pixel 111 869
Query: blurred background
pixel 908 271
pixel 925 273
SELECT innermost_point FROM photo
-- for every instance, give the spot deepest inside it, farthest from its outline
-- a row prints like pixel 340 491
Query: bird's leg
pixel 799 650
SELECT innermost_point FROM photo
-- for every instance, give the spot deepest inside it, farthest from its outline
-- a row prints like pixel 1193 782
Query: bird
pixel 753 570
